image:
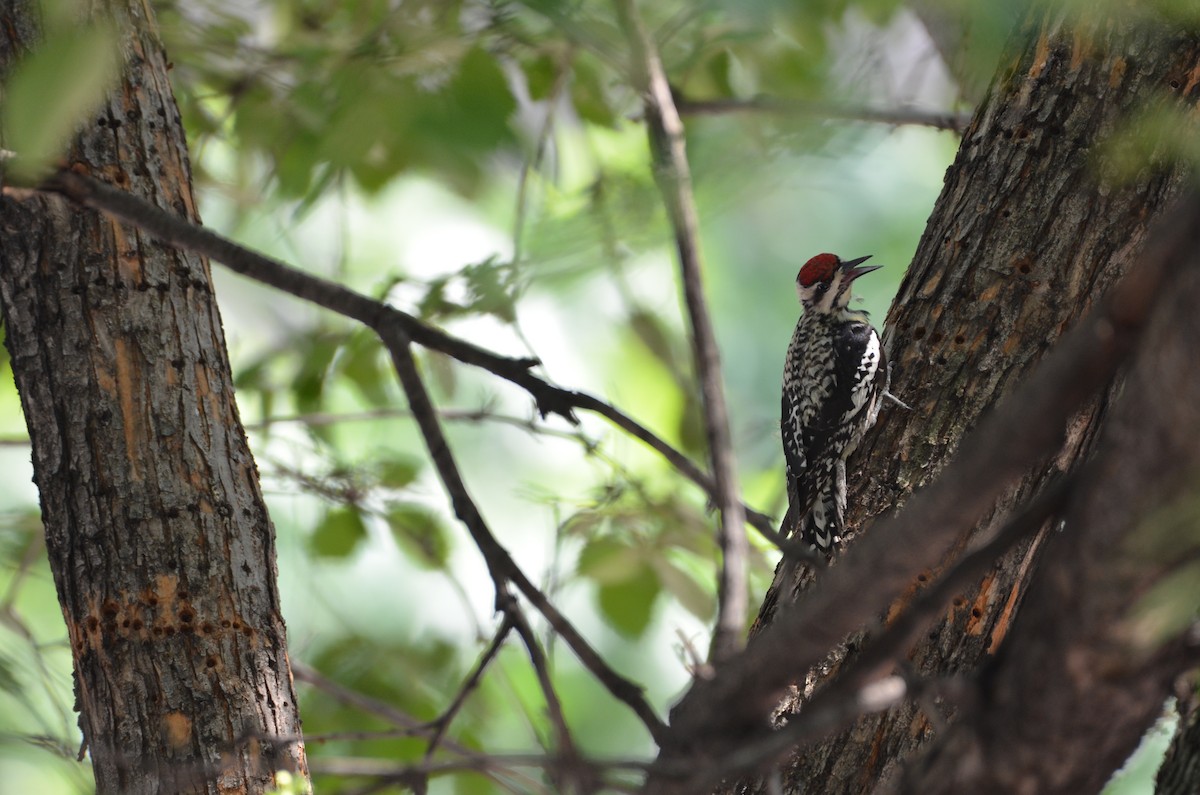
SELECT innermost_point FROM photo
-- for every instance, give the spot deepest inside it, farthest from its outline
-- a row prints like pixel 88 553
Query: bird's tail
pixel 821 526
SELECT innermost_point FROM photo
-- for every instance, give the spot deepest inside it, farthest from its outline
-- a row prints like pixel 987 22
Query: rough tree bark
pixel 1180 771
pixel 159 540
pixel 1093 655
pixel 1026 235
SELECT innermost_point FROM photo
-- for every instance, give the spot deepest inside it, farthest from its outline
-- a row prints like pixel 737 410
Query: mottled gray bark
pixel 158 536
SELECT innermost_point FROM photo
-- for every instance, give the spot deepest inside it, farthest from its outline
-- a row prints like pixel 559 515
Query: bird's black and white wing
pixel 832 397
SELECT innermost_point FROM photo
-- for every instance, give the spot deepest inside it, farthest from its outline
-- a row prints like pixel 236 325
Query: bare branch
pixel 376 315
pixel 572 775
pixel 674 182
pixel 442 724
pixel 500 564
pixel 900 116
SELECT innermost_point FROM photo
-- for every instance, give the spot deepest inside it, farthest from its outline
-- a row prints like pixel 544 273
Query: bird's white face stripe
pixel 834 296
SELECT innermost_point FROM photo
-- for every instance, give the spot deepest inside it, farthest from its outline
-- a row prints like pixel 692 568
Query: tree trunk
pixel 1026 235
pixel 159 540
pixel 1180 770
pixel 1103 628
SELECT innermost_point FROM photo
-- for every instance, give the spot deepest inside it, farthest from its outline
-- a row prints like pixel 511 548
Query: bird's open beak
pixel 853 273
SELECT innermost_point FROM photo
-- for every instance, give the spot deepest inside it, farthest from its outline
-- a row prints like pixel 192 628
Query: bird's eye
pixel 822 287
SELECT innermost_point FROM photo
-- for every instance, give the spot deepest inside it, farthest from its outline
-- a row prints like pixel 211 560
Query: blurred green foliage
pixel 53 88
pixel 371 91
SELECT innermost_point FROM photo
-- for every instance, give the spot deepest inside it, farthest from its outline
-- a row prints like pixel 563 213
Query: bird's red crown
pixel 818 269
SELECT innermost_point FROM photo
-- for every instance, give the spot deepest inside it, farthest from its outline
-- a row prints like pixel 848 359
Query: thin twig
pixel 537 659
pixel 674 182
pixel 340 736
pixel 442 724
pixel 376 315
pixel 905 115
pixel 500 564
pixel 532 163
pixel 477 416
pixel 487 765
pixel 305 673
pixel 760 521
pixel 380 709
pixel 350 766
pixel 572 770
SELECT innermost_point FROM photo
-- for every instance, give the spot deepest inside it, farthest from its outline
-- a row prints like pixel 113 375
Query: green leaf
pixel 1167 608
pixel 295 168
pixel 583 523
pixel 444 372
pixel 360 117
pixel 52 91
pixel 686 529
pixel 434 304
pixel 588 94
pixel 719 69
pixel 409 675
pixel 693 435
pixel 9 683
pixel 309 386
pixel 628 606
pixel 253 377
pixel 396 473
pixel 697 601
pixel 421 533
pixel 488 287
pixel 540 74
pixel 362 363
pixel 473 111
pixel 607 561
pixel 339 533
pixel 470 783
pixel 652 332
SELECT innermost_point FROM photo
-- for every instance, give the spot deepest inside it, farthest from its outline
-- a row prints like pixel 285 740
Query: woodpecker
pixel 834 379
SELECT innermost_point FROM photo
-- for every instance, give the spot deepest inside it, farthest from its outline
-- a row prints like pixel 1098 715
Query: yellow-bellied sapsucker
pixel 834 379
